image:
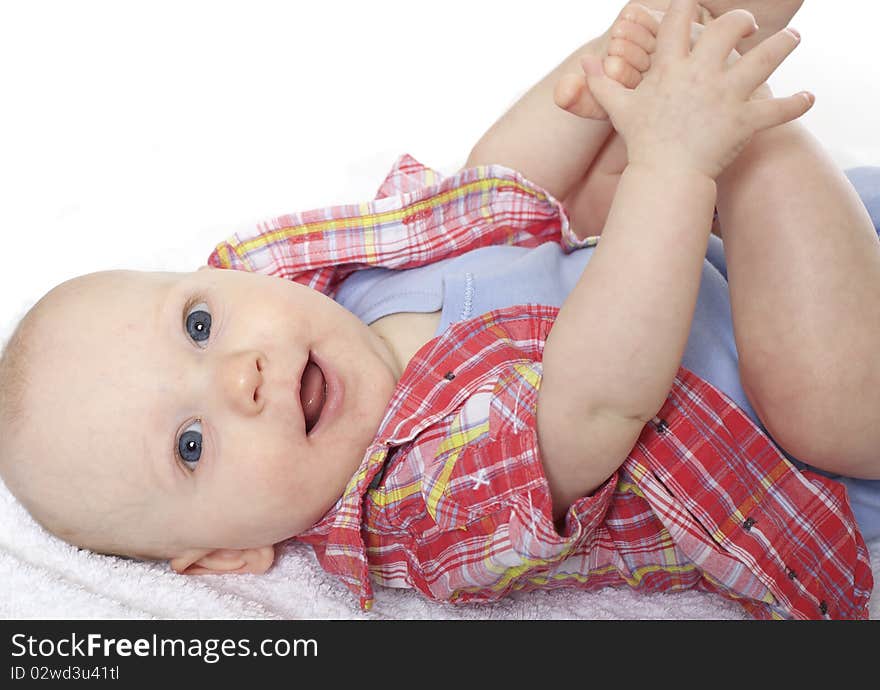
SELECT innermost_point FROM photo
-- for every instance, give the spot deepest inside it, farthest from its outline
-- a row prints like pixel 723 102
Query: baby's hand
pixel 692 112
pixel 631 40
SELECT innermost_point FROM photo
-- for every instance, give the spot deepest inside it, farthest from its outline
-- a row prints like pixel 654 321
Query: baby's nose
pixel 241 377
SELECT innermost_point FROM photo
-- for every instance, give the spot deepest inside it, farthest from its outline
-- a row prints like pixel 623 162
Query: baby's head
pixel 159 415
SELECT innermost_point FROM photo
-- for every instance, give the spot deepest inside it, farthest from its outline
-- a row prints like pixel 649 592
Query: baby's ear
pixel 219 561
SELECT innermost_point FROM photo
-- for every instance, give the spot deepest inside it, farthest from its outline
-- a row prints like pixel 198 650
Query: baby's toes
pixel 631 53
pixel 621 71
pixel 635 33
pixel 573 95
pixel 638 24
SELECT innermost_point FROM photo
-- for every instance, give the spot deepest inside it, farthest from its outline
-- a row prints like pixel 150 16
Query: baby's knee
pixel 823 419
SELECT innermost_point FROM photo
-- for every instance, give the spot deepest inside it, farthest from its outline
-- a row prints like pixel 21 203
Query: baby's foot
pixel 630 42
pixel 771 16
pixel 661 7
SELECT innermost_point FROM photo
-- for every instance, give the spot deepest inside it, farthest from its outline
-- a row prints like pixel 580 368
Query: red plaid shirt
pixel 451 496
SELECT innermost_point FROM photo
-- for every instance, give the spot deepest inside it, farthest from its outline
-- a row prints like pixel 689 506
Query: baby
pixel 517 432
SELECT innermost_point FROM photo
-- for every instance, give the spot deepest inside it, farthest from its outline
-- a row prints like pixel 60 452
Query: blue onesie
pixel 500 276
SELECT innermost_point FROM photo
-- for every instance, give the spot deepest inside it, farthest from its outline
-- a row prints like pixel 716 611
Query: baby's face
pixel 184 388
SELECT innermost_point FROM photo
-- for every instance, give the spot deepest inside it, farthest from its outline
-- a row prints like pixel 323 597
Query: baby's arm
pixel 634 302
pixel 550 146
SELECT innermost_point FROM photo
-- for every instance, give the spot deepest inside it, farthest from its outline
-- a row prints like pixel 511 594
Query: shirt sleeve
pixel 491 502
pixel 419 217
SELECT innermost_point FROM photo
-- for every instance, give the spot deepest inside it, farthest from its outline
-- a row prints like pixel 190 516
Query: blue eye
pixel 189 445
pixel 198 322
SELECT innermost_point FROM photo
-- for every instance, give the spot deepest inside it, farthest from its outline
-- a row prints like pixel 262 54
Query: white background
pixel 138 134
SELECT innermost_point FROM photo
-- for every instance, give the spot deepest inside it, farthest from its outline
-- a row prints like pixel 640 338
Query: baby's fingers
pixel 757 65
pixel 674 33
pixel 722 36
pixel 767 113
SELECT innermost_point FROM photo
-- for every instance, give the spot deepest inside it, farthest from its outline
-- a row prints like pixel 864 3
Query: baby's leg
pixel 803 261
pixel 539 139
pixel 590 200
pixel 632 40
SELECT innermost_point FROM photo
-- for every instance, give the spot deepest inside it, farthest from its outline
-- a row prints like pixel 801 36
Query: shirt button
pixel 748 523
pixel 449 376
pixel 823 607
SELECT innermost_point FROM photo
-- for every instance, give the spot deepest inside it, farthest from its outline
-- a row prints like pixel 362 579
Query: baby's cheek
pixel 273 468
pixel 254 455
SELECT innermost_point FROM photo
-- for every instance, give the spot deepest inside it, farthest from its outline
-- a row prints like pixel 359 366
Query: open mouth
pixel 312 393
